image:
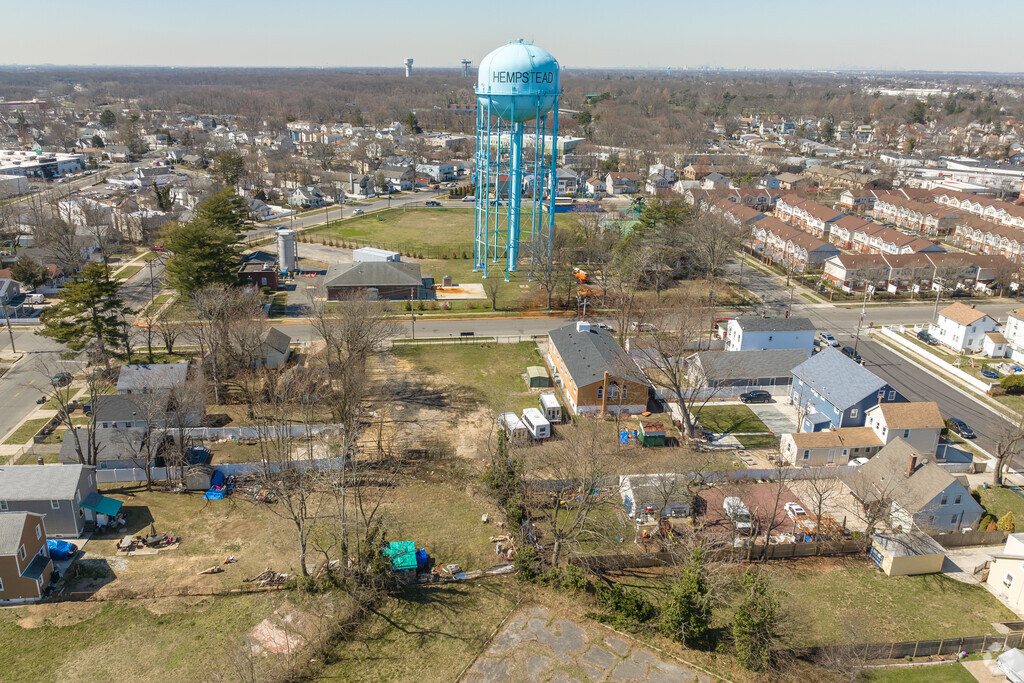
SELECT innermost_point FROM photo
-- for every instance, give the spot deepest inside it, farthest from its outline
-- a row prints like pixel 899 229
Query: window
pixel 600 393
pixel 906 433
pixel 3 506
pixel 90 480
pixel 807 455
pixel 78 497
pixel 854 413
pixel 21 552
pixel 956 501
pixel 39 531
pixel 55 504
pixel 892 395
pixel 943 500
pixel 953 521
pixel 1 585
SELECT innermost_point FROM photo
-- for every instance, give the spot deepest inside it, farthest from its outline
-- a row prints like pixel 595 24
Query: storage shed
pixel 652 433
pixel 198 477
pixel 364 254
pixel 537 376
pixel 551 408
pixel 908 554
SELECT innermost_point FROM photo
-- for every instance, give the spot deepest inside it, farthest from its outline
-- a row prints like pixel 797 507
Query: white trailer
pixel 536 423
pixel 373 254
pixel 514 428
pixel 551 408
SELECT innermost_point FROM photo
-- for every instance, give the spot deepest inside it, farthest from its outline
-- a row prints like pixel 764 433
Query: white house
pixel 918 423
pixel 648 497
pixel 962 327
pixel 753 333
pixel 994 345
pixel 834 447
pixel 1013 332
pixel 1006 573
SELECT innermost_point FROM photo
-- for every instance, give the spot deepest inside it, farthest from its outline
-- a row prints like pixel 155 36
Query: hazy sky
pixel 792 34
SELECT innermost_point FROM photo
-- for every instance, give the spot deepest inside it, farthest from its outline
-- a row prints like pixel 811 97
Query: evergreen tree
pixel 107 119
pixel 230 166
pixel 89 313
pixel 202 253
pixel 686 616
pixel 223 210
pixel 29 271
pixel 96 141
pixel 755 627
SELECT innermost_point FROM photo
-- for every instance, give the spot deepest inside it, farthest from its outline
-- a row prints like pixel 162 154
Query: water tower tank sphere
pixel 513 76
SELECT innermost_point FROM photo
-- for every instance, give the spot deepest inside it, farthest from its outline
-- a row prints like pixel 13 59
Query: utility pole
pixel 412 318
pixel 9 330
pixel 863 312
pixel 938 293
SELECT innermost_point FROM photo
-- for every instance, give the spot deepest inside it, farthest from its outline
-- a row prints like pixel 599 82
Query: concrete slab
pixel 780 418
pixel 985 671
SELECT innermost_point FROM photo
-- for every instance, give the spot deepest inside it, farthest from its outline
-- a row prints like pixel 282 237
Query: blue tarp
pixel 60 550
pixel 217 480
pixel 421 559
pixel 214 494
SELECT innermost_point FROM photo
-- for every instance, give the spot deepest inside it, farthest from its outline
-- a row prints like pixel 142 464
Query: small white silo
pixel 286 253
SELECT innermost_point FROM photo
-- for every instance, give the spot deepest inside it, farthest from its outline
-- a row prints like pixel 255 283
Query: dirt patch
pixel 57 615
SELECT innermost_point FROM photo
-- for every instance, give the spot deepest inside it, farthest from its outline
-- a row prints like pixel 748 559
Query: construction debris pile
pixel 268 577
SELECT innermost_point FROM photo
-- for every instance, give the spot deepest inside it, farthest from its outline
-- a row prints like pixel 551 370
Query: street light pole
pixel 863 312
pixel 9 330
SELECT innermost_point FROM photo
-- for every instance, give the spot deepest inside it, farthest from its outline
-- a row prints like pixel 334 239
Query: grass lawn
pixel 140 356
pixel 731 419
pixel 277 304
pixel 430 231
pixel 158 301
pixel 128 271
pixel 179 639
pixel 33 458
pixel 998 501
pixel 424 634
pixel 26 431
pixel 828 593
pixel 759 441
pixel 491 371
pixel 940 673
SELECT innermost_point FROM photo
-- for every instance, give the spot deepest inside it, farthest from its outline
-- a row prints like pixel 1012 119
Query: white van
pixel 536 423
pixel 738 514
pixel 551 408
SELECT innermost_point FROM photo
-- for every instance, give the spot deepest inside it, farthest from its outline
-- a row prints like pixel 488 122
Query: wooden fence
pixel 961 539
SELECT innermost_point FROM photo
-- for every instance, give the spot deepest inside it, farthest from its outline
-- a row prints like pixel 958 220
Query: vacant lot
pixel 425 634
pixel 731 419
pixel 427 232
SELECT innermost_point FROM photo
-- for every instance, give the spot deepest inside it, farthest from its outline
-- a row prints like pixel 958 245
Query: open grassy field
pixel 433 231
pixel 490 371
pixel 731 419
pixel 425 634
pixel 940 673
pixel 181 639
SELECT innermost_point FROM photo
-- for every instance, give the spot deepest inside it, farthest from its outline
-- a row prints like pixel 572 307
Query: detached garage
pixel 908 554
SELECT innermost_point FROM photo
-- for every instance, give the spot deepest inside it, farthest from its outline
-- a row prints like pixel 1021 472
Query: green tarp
pixel 402 555
pixel 102 504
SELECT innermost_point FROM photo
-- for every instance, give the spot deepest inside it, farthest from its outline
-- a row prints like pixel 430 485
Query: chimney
pixel 911 465
pixel 582 326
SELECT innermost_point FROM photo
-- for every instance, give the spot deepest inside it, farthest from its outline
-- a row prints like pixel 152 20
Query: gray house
pixel 376 280
pixel 152 378
pixel 59 492
pixel 115 447
pixel 833 391
pixel 915 492
pixel 755 368
pixel 275 347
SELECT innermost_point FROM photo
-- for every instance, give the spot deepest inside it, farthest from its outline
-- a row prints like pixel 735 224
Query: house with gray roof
pixel 120 447
pixel 747 333
pixel 25 564
pixel 597 375
pixel 275 347
pixel 831 391
pixel 755 369
pixel 915 492
pixel 376 279
pixel 152 378
pixel 56 491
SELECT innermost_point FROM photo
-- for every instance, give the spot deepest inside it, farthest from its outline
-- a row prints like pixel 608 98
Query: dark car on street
pixel 756 396
pixel 433 203
pixel 960 427
pixel 850 353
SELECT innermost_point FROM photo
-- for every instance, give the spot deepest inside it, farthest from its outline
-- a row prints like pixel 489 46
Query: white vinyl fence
pixel 138 474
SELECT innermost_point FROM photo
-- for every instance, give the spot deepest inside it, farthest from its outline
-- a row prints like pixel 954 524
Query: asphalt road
pixel 29 378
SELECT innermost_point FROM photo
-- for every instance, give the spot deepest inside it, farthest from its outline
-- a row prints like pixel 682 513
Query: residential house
pixel 25 564
pixel 919 423
pixel 595 186
pixel 617 183
pixel 114 448
pixel 1006 572
pixel 1014 334
pixel 375 279
pixel 856 201
pixel 962 327
pixel 437 171
pixel 10 290
pixel 399 178
pixel 56 491
pixel 792 181
pixel 829 447
pixel 832 391
pixel 752 369
pixel 842 230
pixel 307 197
pixel 747 333
pixel 155 378
pixel 913 492
pixel 595 372
pixel 805 252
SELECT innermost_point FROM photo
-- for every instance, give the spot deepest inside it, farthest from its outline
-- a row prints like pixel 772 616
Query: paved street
pixel 28 379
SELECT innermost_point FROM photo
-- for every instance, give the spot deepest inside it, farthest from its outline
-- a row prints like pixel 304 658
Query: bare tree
pixel 1008 445
pixel 492 287
pixel 97 383
pixel 711 240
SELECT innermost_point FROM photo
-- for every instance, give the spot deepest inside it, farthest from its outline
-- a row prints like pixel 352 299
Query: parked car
pixel 756 396
pixel 828 339
pixel 960 427
pixel 794 510
pixel 850 353
pixel 738 514
pixel 357 212
pixel 638 326
pixel 432 203
pixel 927 338
pixel 61 379
pixel 159 247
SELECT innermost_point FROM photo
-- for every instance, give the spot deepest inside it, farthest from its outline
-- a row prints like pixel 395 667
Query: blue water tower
pixel 517 94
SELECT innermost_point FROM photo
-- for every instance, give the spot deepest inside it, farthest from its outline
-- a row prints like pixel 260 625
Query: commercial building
pixel 19 162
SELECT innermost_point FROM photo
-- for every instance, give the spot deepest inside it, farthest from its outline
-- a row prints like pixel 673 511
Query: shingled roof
pixel 589 353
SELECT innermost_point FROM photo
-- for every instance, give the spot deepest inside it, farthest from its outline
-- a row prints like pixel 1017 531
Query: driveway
pixel 779 417
pixel 960 563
